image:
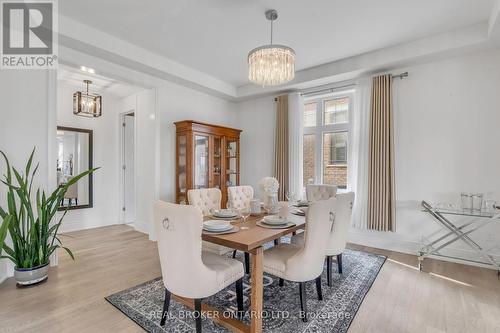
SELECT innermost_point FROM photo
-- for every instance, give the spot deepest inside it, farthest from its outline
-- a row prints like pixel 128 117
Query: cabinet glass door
pixel 232 163
pixel 217 162
pixel 182 167
pixel 201 162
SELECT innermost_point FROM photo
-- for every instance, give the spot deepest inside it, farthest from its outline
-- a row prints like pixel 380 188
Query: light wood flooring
pixel 447 297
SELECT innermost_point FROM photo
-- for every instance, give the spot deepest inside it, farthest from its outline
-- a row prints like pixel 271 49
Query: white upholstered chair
pixel 338 235
pixel 239 196
pixel 188 271
pixel 72 193
pixel 304 262
pixel 207 200
pixel 320 192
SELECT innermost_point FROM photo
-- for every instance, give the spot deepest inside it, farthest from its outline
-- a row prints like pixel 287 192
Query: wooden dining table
pixel 251 239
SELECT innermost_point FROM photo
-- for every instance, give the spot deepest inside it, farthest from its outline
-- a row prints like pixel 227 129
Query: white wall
pixel 446 130
pixel 106 156
pixel 446 141
pixel 146 181
pixel 27 97
pixel 176 103
pixel 156 110
pixel 257 119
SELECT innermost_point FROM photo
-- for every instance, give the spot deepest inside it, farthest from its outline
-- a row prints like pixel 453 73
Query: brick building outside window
pixel 326 139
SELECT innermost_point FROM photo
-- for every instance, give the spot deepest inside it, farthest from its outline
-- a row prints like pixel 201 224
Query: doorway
pixel 127 123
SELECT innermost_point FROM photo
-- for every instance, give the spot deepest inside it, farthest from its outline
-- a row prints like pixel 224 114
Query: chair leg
pixel 166 304
pixel 234 254
pixel 329 270
pixel 247 263
pixel 197 314
pixel 303 301
pixel 281 282
pixel 318 288
pixel 239 296
pixel 339 262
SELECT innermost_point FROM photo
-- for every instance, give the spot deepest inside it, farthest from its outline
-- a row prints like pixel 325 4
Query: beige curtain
pixel 281 145
pixel 381 203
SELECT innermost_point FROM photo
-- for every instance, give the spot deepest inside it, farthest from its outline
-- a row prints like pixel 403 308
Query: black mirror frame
pixel 91 154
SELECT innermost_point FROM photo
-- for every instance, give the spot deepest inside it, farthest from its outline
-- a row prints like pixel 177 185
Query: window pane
pixel 335 159
pixel 310 114
pixel 308 161
pixel 336 111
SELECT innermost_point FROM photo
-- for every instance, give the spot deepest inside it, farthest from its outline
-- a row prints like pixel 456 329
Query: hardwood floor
pixel 447 298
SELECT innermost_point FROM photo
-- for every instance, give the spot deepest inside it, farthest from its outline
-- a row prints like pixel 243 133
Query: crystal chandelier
pixel 271 65
pixel 87 104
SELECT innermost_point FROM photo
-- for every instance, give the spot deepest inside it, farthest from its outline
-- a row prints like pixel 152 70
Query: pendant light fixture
pixel 87 104
pixel 272 64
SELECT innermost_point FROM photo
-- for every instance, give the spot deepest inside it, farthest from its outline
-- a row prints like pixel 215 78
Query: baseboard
pixel 382 241
pixel 69 226
pixel 141 227
pixel 394 242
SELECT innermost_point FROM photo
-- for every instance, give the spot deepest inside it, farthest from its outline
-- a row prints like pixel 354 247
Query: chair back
pixel 178 228
pixel 206 199
pixel 340 230
pixel 239 196
pixel 320 192
pixel 308 263
pixel 72 192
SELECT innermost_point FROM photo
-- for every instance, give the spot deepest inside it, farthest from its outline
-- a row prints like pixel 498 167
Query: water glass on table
pixel 245 213
pixel 290 197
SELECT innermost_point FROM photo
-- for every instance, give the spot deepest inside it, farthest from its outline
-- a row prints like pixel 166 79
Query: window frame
pixel 320 129
pixel 346 152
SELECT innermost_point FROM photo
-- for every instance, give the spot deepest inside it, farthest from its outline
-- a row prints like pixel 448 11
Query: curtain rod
pixel 401 76
pixel 327 90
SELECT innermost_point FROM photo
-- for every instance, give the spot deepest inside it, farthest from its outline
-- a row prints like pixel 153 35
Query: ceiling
pixel 214 36
pixel 100 84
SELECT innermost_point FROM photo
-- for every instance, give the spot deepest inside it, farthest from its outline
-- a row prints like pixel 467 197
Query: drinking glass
pixel 290 197
pixel 466 201
pixel 477 202
pixel 245 213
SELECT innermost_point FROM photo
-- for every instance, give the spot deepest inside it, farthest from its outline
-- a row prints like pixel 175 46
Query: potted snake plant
pixel 29 220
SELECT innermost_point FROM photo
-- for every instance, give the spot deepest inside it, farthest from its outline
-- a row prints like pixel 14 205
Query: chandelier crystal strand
pixel 271 65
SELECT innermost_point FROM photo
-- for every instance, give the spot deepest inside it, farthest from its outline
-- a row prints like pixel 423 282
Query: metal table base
pixel 454 233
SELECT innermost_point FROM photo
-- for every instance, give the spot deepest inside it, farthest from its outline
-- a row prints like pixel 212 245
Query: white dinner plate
pixel 217 225
pixel 274 220
pixel 226 213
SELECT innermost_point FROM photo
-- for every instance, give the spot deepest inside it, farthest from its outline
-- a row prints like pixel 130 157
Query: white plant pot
pixel 29 276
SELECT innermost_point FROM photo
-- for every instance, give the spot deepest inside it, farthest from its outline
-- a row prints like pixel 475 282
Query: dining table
pixel 250 238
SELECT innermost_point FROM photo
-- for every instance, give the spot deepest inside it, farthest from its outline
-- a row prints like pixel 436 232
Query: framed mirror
pixel 74 156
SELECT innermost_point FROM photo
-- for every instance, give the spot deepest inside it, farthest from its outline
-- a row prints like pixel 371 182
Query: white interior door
pixel 128 168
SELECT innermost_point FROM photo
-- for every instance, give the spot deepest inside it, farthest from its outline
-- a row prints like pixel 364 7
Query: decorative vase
pixel 271 203
pixel 29 276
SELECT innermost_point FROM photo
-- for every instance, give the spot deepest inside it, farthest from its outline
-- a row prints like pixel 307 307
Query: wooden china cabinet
pixel 206 156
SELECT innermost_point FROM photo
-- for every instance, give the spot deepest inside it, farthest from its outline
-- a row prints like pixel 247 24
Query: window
pixel 309 158
pixel 310 114
pixel 326 143
pixel 336 111
pixel 335 148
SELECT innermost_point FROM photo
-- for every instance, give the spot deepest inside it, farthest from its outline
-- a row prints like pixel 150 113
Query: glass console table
pixel 453 232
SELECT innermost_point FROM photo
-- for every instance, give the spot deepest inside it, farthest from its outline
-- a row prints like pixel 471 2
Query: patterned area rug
pixel 143 303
